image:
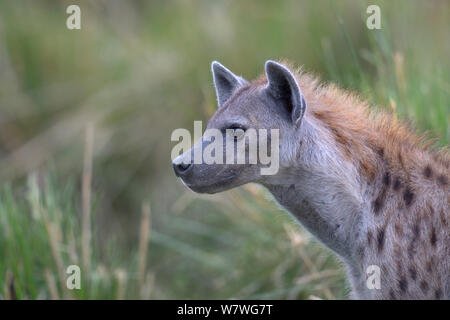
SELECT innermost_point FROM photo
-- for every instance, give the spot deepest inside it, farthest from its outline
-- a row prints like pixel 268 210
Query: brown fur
pixel 408 180
pixel 368 136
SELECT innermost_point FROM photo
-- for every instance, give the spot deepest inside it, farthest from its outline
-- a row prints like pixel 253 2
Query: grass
pixel 85 123
pixel 43 232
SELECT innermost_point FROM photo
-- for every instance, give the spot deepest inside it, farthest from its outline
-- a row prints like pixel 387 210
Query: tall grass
pixel 44 230
pixel 136 71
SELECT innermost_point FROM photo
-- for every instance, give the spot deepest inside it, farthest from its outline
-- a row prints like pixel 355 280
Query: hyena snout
pixel 181 168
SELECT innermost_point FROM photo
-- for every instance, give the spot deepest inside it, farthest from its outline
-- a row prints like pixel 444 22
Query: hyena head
pixel 263 117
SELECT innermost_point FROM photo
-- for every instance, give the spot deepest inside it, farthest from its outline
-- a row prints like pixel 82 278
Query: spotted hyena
pixel 362 182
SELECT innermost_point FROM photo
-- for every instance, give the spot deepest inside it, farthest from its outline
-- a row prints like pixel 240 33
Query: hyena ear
pixel 225 81
pixel 282 85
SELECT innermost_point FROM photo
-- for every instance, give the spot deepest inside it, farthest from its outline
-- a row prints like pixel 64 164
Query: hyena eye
pixel 236 130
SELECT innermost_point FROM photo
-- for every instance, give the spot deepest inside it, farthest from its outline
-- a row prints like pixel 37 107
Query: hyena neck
pixel 322 190
pixel 371 190
pixel 376 198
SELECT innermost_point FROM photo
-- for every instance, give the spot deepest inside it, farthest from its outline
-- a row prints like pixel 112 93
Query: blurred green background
pixel 136 71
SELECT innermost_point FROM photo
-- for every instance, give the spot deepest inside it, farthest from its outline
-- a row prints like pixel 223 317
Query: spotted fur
pixel 364 184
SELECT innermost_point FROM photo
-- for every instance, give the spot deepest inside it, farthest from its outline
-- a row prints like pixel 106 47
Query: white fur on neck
pixel 321 189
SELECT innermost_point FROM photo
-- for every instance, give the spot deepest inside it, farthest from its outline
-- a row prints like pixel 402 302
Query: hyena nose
pixel 181 168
